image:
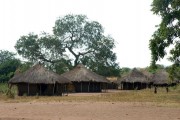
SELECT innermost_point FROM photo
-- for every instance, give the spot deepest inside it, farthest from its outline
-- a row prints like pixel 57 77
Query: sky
pixel 129 22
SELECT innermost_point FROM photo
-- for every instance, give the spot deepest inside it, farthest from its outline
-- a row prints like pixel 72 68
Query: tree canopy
pixel 75 39
pixel 168 31
pixel 8 65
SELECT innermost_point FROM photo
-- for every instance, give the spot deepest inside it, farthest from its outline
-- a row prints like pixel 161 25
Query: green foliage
pixel 84 39
pixel 36 48
pixel 62 66
pixel 75 35
pixel 157 67
pixel 125 71
pixel 23 67
pixel 8 65
pixel 168 33
pixel 6 55
pixel 111 70
pixel 174 72
pixel 3 88
pixel 10 94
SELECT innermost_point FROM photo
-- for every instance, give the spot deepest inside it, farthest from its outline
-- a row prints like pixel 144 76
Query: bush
pixel 3 88
pixel 10 94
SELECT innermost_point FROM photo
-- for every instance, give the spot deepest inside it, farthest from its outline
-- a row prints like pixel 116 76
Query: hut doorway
pixel 43 88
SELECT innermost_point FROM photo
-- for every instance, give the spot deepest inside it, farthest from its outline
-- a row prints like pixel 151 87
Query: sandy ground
pixel 87 110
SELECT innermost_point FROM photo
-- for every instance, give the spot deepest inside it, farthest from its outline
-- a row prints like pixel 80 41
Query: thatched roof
pixel 81 73
pixel 135 76
pixel 112 79
pixel 161 77
pixel 38 75
pixel 147 73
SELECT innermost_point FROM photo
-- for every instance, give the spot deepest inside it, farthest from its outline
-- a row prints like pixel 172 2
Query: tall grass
pixel 6 92
pixel 3 88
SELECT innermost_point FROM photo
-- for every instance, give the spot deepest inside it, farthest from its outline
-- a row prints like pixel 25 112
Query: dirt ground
pixel 86 111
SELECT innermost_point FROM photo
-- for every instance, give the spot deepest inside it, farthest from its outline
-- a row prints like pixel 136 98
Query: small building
pixel 39 81
pixel 161 78
pixel 85 80
pixel 135 80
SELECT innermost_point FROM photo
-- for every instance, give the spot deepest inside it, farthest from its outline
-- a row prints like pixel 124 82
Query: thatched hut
pixel 39 81
pixel 161 78
pixel 85 80
pixel 113 84
pixel 134 80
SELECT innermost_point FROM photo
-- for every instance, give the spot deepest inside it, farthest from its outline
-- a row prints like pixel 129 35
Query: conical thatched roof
pixel 37 75
pixel 135 76
pixel 81 73
pixel 161 77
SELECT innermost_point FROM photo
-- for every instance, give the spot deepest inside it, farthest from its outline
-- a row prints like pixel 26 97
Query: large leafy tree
pixel 35 48
pixel 168 31
pixel 8 65
pixel 75 40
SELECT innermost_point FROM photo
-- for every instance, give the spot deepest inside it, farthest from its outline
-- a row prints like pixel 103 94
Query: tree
pixel 174 71
pixel 76 35
pixel 85 40
pixel 36 48
pixel 125 71
pixel 168 31
pixel 23 67
pixel 6 55
pixel 8 65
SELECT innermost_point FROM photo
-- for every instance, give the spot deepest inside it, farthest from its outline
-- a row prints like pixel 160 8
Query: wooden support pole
pixel 67 89
pixel 57 88
pixel 62 86
pixel 81 86
pixel 88 86
pixel 54 88
pixel 133 85
pixel 106 87
pixel 40 90
pixel 28 89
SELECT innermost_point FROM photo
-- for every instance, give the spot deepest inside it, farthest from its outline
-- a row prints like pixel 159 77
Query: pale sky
pixel 129 22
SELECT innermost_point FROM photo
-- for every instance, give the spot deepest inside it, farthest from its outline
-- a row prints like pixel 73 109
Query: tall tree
pixel 168 31
pixel 76 35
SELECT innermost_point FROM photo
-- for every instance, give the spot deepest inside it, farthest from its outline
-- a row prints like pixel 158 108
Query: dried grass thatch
pixel 38 75
pixel 81 74
pixel 135 76
pixel 112 79
pixel 161 77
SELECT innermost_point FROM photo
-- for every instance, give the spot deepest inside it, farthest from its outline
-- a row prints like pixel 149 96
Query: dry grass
pixel 141 96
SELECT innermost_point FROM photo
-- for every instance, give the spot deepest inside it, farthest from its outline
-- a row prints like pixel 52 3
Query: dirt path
pixel 86 111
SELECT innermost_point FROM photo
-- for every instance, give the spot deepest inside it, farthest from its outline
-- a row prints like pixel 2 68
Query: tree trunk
pixel 76 61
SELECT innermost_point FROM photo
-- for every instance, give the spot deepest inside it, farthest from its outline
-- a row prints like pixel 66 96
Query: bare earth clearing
pixel 86 110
